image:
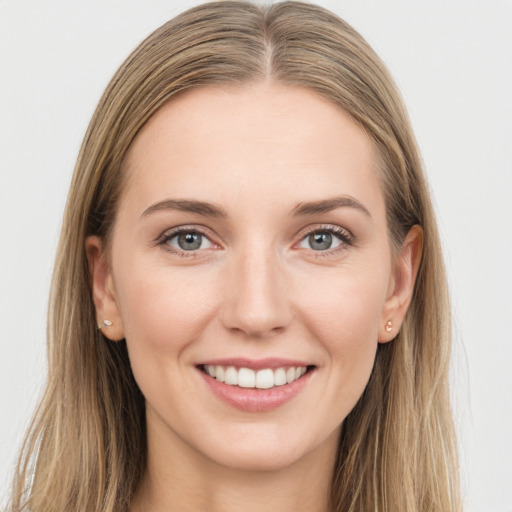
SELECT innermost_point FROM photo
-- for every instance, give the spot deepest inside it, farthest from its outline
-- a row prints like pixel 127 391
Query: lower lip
pixel 256 400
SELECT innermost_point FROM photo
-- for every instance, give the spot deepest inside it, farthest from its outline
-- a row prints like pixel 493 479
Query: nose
pixel 256 294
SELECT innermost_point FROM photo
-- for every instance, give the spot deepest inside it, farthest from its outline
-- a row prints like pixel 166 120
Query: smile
pixel 265 378
pixel 256 385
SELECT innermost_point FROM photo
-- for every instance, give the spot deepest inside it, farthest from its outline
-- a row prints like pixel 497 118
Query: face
pixel 250 273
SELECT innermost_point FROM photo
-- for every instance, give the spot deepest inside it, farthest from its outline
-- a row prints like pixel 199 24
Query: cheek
pixel 163 309
pixel 347 308
pixel 344 315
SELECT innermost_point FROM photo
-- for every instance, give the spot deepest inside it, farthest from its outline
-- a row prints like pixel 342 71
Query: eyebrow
pixel 327 205
pixel 185 205
pixel 210 210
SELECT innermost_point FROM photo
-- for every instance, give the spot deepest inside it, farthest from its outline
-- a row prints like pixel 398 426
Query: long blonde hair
pixel 86 448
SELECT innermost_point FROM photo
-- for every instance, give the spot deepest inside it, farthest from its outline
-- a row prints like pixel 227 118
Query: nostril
pixel 256 301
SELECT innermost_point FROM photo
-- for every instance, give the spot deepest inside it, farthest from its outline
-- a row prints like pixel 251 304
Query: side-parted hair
pixel 86 447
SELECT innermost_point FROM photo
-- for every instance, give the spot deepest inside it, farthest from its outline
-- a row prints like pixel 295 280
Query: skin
pixel 256 288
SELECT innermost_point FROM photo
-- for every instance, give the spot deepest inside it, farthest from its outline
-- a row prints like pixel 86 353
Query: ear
pixel 108 316
pixel 401 286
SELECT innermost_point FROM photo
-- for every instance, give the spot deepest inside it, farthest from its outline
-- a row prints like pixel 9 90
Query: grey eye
pixel 189 241
pixel 321 241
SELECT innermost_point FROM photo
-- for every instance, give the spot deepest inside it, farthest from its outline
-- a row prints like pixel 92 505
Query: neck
pixel 184 480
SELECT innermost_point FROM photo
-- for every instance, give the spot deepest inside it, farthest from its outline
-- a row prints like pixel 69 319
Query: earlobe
pixel 404 278
pixel 103 293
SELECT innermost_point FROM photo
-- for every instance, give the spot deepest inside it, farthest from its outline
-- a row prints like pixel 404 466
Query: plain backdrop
pixel 452 60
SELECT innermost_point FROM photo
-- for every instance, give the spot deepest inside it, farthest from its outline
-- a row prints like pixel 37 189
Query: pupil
pixel 189 241
pixel 320 241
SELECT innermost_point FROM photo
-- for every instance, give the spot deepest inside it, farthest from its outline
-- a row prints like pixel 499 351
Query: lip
pixel 255 400
pixel 255 364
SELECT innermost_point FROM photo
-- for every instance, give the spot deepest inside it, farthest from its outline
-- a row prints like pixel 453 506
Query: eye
pixel 187 240
pixel 325 239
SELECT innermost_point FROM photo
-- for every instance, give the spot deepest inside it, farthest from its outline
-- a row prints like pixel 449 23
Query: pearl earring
pixel 389 326
pixel 105 323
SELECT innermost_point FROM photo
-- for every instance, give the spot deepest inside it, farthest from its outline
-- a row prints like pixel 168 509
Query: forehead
pixel 264 140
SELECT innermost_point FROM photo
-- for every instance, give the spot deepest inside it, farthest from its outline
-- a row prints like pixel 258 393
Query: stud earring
pixel 105 323
pixel 389 326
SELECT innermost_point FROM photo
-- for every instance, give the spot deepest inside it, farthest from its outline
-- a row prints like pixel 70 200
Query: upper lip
pixel 255 364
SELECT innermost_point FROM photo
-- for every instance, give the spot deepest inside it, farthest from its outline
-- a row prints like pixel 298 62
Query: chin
pixel 257 460
pixel 267 452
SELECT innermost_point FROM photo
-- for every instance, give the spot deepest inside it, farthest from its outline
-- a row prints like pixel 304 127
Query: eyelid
pixel 170 233
pixel 343 234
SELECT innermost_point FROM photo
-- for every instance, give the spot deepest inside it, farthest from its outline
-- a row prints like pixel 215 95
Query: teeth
pixel 230 376
pixel 265 379
pixel 219 373
pixel 279 377
pixel 261 379
pixel 246 378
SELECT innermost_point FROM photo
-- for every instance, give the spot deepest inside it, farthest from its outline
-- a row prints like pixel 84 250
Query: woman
pixel 249 306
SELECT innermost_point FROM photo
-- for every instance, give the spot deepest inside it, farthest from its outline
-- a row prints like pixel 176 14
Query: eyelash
pixel 346 238
pixel 344 235
pixel 164 239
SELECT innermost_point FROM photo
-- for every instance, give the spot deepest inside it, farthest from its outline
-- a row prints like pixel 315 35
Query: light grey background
pixel 453 62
